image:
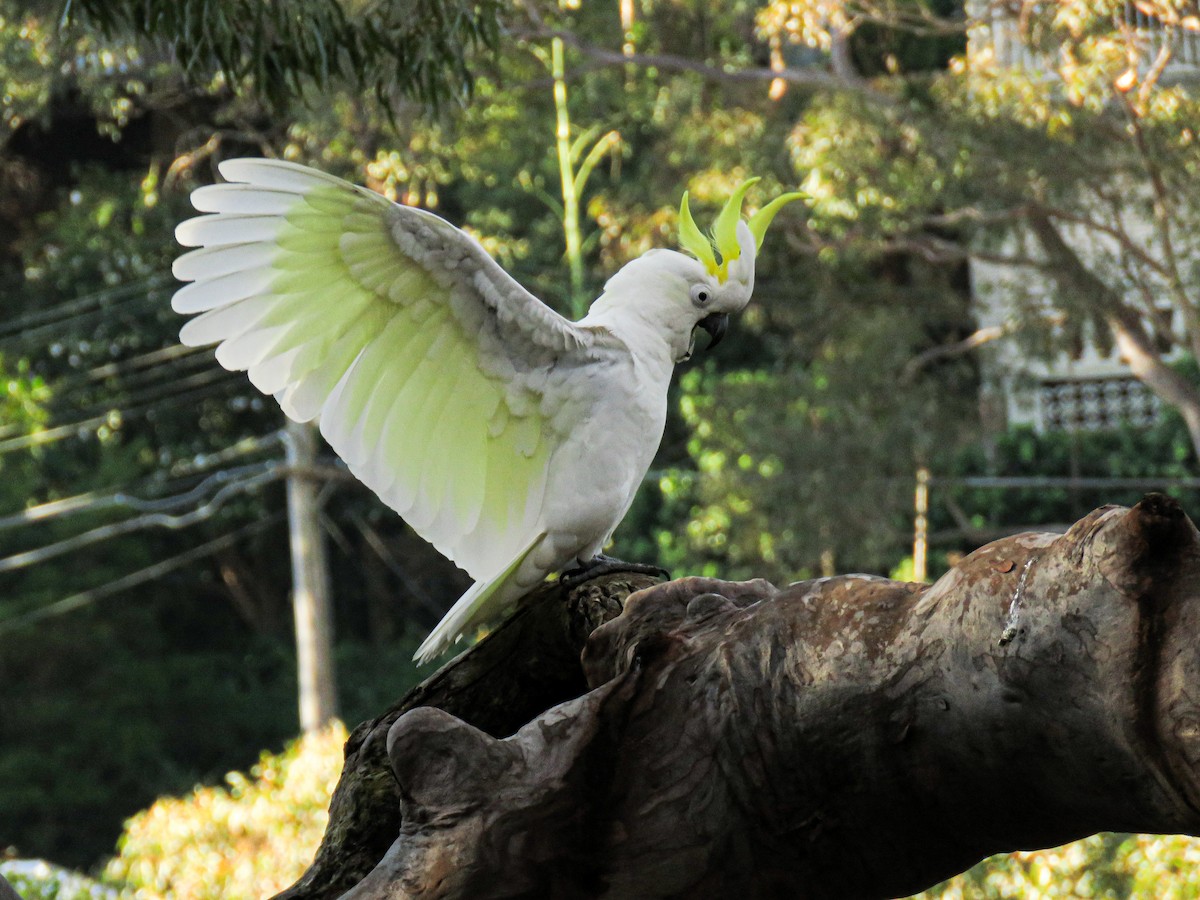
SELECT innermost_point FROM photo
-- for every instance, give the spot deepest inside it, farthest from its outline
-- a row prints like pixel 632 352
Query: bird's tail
pixel 482 604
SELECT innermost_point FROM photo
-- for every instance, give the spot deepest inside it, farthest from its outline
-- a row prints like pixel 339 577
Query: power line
pixel 149 394
pixel 61 432
pixel 152 393
pixel 141 576
pixel 203 461
pixel 64 312
pixel 375 542
pixel 93 502
pixel 27 336
pixel 142 376
pixel 142 522
pixel 152 358
pixel 151 364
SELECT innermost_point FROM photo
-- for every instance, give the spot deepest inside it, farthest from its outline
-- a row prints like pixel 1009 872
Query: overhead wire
pixel 151 358
pixel 141 576
pixel 51 435
pixel 200 462
pixel 155 376
pixel 17 332
pixel 139 376
pixel 375 542
pixel 270 471
pixel 68 308
pixel 149 392
pixel 92 501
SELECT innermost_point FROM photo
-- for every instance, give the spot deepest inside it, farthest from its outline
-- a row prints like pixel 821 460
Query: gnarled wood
pixel 844 737
pixel 6 890
pixel 524 667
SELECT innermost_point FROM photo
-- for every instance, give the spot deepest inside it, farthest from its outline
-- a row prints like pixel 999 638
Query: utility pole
pixel 921 525
pixel 310 582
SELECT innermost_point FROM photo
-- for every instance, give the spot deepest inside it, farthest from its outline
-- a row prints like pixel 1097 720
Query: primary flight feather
pixel 510 438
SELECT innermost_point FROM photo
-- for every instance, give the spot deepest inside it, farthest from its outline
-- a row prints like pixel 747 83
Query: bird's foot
pixel 607 565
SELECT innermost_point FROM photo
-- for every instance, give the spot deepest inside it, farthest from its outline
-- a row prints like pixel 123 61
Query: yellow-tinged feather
pixel 299 241
pixel 399 443
pixel 364 219
pixel 399 459
pixel 481 397
pixel 397 358
pixel 361 248
pixel 434 465
pixel 460 433
pixel 762 219
pixel 311 279
pixel 474 606
pixel 310 350
pixel 498 421
pixel 316 258
pixel 304 399
pixel 332 201
pixel 411 285
pixel 692 239
pixel 359 389
pixel 376 275
pixel 422 309
pixel 725 228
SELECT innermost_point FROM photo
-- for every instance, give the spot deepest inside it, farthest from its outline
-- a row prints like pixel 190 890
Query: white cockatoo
pixel 509 437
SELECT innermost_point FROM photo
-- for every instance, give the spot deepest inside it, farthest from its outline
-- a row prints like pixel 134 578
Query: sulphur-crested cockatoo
pixel 512 439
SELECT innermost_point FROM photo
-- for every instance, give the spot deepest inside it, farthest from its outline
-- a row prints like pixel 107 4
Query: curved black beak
pixel 716 324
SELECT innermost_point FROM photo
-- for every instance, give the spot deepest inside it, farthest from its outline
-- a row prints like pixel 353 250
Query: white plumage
pixel 509 437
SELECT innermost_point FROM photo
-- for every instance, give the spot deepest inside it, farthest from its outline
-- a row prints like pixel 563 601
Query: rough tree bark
pixel 849 737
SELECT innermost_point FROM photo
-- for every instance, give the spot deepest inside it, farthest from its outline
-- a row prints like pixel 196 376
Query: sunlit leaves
pixel 1104 866
pixel 25 58
pixel 23 398
pixel 248 839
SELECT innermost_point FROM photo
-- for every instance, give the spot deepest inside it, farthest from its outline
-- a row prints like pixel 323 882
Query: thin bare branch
pixel 973 341
pixel 1162 222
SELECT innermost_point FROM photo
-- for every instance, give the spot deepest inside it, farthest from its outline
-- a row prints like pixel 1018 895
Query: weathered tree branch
pixel 527 665
pixel 848 737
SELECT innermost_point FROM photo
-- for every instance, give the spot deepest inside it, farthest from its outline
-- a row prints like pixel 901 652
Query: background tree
pixel 1065 160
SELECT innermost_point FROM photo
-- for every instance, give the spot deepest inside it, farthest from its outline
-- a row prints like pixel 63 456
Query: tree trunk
pixel 1145 360
pixel 849 737
pixel 313 613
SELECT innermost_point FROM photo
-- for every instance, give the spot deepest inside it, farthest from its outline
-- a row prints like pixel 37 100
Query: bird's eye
pixel 700 294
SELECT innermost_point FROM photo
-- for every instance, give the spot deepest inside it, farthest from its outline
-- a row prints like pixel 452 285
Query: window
pixel 1097 403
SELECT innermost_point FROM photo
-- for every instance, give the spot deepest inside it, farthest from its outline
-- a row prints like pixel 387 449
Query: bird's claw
pixel 608 565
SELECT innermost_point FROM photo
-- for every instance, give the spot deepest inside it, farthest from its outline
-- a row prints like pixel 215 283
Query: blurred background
pixel 985 320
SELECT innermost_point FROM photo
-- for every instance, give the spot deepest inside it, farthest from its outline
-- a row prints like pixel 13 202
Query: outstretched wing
pixel 426 363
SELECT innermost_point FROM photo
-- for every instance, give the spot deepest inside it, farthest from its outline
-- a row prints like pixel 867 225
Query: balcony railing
pixel 999 32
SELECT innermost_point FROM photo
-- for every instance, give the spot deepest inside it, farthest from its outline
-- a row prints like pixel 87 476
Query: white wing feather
pixel 424 361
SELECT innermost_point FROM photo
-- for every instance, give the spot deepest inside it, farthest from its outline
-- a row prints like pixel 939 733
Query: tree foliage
pixel 1057 156
pixel 247 839
pixel 391 50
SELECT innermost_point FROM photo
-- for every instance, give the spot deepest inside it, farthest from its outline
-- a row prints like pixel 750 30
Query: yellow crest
pixel 724 238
